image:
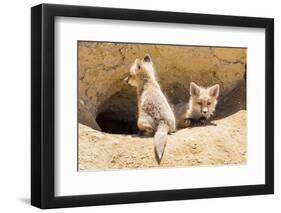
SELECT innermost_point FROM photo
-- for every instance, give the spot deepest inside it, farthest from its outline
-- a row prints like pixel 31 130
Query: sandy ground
pixel 221 143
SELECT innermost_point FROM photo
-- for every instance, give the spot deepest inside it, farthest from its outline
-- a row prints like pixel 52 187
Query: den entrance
pixel 118 115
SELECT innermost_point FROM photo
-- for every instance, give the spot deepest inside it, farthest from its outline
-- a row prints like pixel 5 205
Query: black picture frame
pixel 43 102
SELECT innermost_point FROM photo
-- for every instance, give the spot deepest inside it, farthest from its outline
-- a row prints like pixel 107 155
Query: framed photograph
pixel 139 106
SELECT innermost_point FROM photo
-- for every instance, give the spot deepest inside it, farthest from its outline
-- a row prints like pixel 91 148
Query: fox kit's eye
pixel 200 103
pixel 208 103
pixel 138 66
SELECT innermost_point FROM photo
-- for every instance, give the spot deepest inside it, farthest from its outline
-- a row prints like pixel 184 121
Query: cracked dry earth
pixel 223 142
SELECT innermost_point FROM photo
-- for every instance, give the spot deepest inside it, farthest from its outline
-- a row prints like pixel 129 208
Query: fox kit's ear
pixel 214 90
pixel 147 58
pixel 194 89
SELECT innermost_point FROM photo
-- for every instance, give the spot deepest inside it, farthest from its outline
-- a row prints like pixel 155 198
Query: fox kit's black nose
pixel 147 58
pixel 205 111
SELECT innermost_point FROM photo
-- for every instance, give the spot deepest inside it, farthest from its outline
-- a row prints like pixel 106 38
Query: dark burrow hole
pixel 112 125
pixel 118 114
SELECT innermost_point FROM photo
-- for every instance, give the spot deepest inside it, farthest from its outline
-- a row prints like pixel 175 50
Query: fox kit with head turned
pixel 201 105
pixel 155 115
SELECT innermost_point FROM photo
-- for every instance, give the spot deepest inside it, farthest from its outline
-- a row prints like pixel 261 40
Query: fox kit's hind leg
pixel 145 125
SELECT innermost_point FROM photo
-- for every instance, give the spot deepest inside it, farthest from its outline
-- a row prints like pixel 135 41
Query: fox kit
pixel 201 105
pixel 155 115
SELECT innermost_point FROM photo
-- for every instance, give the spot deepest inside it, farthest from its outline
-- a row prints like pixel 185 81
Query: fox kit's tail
pixel 160 139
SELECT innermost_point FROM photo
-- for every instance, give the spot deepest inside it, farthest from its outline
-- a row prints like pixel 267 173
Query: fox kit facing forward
pixel 155 115
pixel 200 108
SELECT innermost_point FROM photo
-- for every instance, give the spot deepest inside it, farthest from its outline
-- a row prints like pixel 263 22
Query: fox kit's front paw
pixel 193 122
pixel 203 121
pixel 188 122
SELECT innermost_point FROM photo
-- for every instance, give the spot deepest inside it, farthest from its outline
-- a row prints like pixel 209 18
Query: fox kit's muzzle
pixel 205 110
